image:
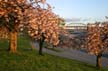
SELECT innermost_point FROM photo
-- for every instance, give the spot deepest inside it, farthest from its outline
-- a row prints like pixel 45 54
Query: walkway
pixel 75 54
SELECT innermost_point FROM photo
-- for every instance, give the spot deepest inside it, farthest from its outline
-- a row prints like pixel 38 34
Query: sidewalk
pixel 74 54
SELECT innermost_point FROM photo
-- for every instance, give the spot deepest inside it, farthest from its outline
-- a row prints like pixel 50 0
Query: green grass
pixel 29 60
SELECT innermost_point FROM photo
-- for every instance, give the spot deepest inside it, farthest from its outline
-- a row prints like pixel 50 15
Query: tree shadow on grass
pixel 93 67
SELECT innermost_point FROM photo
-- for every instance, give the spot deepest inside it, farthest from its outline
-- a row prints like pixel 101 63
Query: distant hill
pixel 83 20
pixel 72 20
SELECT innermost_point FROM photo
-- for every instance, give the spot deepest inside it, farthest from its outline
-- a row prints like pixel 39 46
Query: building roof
pixel 75 24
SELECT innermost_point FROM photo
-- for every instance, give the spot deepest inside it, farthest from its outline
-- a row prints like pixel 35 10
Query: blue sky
pixel 80 8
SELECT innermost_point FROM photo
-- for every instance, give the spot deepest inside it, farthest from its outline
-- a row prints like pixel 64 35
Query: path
pixel 75 54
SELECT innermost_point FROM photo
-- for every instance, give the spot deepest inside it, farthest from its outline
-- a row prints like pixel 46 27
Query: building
pixel 76 26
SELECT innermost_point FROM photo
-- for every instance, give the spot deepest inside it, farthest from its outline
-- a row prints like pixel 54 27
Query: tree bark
pixel 40 46
pixel 98 61
pixel 13 42
pixel 41 41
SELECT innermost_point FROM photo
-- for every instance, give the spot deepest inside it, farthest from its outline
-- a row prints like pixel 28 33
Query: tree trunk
pixel 41 41
pixel 13 42
pixel 98 61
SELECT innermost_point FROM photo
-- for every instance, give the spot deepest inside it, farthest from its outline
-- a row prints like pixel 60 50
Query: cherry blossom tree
pixel 11 15
pixel 45 25
pixel 34 15
pixel 97 40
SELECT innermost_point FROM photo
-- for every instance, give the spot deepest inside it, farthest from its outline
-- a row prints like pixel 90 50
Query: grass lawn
pixel 29 60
